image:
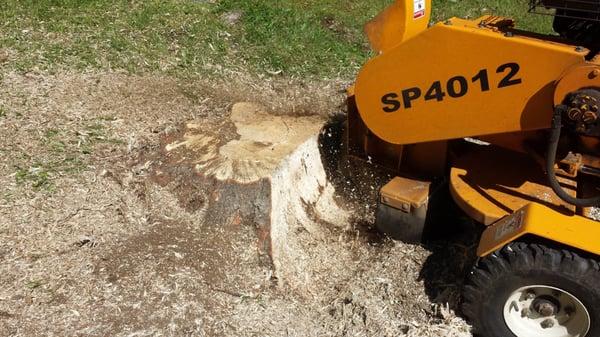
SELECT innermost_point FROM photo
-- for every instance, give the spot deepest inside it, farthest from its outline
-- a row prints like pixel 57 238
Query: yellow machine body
pixel 398 23
pixel 541 221
pixel 507 193
pixel 489 183
pixel 473 78
pixel 445 60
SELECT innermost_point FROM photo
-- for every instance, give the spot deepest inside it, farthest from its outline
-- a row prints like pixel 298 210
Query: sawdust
pixel 113 247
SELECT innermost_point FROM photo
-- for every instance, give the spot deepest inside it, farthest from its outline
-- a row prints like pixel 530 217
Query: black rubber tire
pixel 518 265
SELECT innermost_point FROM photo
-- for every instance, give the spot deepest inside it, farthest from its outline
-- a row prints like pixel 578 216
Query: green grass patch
pixel 186 37
pixel 64 153
pixel 33 284
pixel 36 176
pixel 302 37
pixel 40 175
pixel 145 36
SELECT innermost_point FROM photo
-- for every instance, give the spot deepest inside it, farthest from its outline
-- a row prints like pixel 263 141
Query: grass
pixel 65 153
pixel 302 37
pixel 185 38
pixel 306 38
pixel 135 36
pixel 33 284
pixel 36 176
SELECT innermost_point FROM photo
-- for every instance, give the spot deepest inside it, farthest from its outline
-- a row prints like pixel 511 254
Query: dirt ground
pixel 102 233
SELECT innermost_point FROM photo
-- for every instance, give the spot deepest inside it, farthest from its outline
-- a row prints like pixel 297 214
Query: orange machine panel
pixel 461 79
pixel 399 22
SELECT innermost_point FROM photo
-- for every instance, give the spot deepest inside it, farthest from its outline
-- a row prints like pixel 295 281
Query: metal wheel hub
pixel 546 306
pixel 543 311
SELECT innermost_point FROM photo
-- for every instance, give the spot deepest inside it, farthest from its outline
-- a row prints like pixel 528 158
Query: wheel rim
pixel 543 311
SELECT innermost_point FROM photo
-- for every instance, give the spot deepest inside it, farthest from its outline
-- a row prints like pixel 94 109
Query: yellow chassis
pixel 471 78
pixel 540 221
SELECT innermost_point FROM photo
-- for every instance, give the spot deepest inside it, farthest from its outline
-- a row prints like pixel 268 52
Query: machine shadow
pixel 452 240
pixel 452 255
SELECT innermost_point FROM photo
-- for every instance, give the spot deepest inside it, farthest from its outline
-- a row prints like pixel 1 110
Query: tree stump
pixel 259 181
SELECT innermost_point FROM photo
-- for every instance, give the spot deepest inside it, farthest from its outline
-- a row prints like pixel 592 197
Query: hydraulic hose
pixel 551 158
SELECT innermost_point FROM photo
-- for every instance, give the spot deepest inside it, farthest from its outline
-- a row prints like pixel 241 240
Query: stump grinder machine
pixel 506 123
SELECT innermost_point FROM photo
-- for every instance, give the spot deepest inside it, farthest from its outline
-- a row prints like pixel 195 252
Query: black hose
pixel 551 158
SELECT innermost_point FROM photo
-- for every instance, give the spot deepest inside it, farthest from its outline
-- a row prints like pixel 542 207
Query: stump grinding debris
pixel 198 235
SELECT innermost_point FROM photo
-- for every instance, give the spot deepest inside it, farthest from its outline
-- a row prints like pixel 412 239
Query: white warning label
pixel 418 9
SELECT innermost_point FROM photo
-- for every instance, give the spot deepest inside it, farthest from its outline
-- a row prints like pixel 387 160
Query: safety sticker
pixel 419 9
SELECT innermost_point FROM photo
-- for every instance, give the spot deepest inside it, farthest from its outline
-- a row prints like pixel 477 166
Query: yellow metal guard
pixel 569 229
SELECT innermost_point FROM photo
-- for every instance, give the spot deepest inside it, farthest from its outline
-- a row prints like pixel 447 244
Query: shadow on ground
pixel 444 271
pixel 452 244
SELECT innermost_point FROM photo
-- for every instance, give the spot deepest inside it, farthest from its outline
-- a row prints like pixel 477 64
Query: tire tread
pixel 520 257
